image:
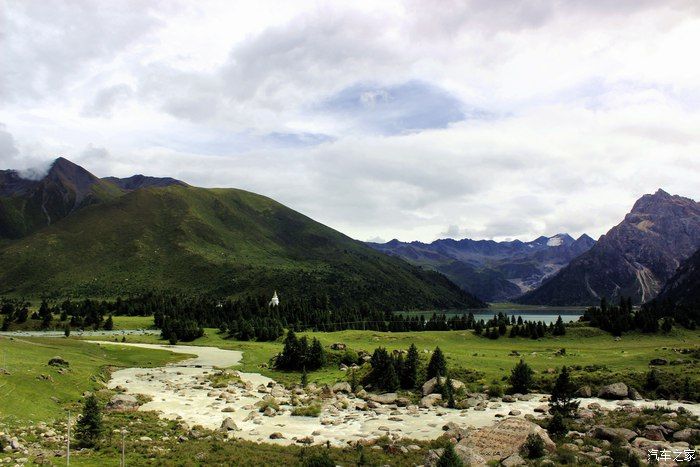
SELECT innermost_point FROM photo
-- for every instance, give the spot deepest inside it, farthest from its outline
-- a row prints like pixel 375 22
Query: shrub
pixel 321 459
pixel 495 390
pixel 533 448
pixel 449 458
pixel 313 410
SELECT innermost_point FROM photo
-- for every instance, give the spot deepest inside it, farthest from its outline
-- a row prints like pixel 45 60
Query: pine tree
pixel 521 377
pixel 409 378
pixel 66 330
pixel 557 427
pixel 437 364
pixel 562 399
pixel 391 379
pixel 559 328
pixel 317 357
pixel 109 323
pixel 89 426
pixel 449 458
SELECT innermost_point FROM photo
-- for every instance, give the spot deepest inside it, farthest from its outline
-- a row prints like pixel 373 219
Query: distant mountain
pixel 493 271
pixel 680 296
pixel 136 182
pixel 105 237
pixel 634 258
pixel 27 205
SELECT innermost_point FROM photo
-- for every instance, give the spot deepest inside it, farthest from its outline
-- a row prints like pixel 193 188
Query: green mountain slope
pixel 219 241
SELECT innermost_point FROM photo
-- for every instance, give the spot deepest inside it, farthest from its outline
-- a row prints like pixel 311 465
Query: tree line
pixel 620 318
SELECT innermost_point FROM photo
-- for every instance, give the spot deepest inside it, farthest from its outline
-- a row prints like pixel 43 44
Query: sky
pixel 414 120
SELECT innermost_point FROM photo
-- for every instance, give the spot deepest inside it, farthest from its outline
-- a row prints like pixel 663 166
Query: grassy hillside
pixel 27 395
pixel 220 241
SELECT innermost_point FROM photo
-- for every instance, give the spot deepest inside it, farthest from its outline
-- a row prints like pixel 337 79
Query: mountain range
pixel 633 259
pixel 70 233
pixel 494 271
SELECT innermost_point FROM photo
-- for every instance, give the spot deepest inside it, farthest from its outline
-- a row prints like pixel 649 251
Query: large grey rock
pixel 614 391
pixel 229 425
pixel 613 434
pixel 468 456
pixel 388 398
pixel 58 361
pixel 634 395
pixel 686 435
pixel 584 391
pixel 430 385
pixel 122 402
pixel 513 461
pixel 505 438
pixel 342 387
pixel 430 400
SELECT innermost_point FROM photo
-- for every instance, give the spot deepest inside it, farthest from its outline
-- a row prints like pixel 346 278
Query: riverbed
pixel 183 391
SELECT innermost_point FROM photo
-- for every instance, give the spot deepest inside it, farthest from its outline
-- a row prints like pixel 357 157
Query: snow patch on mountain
pixel 555 241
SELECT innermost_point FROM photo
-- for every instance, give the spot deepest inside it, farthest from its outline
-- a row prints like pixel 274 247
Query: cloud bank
pixel 409 120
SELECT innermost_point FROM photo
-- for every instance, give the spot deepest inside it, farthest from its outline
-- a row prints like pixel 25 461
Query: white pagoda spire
pixel 275 300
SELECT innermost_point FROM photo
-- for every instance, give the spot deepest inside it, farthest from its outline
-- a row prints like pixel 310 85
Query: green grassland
pixel 479 360
pixel 26 395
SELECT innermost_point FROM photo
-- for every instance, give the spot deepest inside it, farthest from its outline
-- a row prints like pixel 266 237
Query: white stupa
pixel 275 300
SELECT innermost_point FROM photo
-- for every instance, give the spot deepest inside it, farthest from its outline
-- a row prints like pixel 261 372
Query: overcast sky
pixel 410 120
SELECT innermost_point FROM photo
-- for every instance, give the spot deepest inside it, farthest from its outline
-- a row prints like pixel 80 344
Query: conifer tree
pixel 409 378
pixel 562 399
pixel 89 426
pixel 521 377
pixel 449 458
pixel 437 364
pixel 109 323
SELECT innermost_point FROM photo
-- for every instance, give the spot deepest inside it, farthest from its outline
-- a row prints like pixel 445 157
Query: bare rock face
pixel 505 438
pixel 635 258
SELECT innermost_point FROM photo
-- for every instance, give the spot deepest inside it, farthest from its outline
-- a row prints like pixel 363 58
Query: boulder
pixel 686 435
pixel 584 391
pixel 229 425
pixel 122 402
pixel 513 461
pixel 654 433
pixel 658 361
pixel 430 400
pixel 388 398
pixel 452 430
pixel 338 346
pixel 342 387
pixel 58 361
pixel 613 434
pixel 614 391
pixel 276 435
pixel 403 402
pixel 467 455
pixel 634 395
pixel 430 385
pixel 505 438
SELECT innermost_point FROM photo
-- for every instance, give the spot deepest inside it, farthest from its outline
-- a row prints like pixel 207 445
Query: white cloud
pixel 387 120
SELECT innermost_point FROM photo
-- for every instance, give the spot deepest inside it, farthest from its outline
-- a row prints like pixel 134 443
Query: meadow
pixel 36 391
pixel 596 354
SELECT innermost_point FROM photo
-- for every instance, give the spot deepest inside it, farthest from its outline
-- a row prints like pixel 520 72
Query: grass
pixel 225 242
pixel 27 396
pixel 483 359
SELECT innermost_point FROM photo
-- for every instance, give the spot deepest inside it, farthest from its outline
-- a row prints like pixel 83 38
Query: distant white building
pixel 275 300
